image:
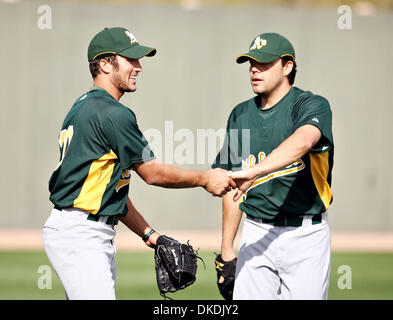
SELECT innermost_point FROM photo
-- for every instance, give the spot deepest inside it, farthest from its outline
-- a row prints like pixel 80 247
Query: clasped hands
pixel 220 182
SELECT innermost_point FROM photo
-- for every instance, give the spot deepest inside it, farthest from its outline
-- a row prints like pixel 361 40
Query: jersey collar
pixel 257 102
pixel 102 90
pixel 95 88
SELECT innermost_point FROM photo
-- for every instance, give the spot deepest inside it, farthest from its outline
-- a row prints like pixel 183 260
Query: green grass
pixel 372 277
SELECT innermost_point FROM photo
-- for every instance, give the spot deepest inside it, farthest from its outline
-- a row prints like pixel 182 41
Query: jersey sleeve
pixel 315 110
pixel 125 138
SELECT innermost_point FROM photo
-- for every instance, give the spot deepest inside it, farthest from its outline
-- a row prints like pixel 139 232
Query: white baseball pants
pixel 82 252
pixel 282 263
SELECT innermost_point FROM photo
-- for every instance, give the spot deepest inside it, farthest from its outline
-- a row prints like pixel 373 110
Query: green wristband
pixel 147 235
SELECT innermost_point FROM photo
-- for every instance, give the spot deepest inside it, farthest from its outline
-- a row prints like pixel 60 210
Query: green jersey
pixel 99 143
pixel 303 187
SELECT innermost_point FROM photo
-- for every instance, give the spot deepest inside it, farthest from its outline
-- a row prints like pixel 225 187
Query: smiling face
pixel 124 76
pixel 267 77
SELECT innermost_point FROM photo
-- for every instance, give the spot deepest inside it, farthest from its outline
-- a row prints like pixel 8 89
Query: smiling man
pixel 100 143
pixel 283 184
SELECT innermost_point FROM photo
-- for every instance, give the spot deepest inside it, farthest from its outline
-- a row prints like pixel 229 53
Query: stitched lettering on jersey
pixel 250 162
pixel 65 138
pixel 124 179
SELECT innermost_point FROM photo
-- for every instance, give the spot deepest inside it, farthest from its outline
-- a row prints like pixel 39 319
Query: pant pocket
pixel 49 229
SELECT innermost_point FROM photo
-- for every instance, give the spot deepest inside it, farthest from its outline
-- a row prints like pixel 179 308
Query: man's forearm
pixel 137 224
pixel 231 217
pixel 289 151
pixel 215 181
pixel 169 176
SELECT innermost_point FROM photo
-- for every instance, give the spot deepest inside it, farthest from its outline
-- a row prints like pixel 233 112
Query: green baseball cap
pixel 268 47
pixel 117 41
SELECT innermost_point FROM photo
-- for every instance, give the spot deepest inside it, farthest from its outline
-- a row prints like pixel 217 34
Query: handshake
pixel 216 181
pixel 219 182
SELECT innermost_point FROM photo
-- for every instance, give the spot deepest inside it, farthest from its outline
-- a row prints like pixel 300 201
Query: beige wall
pixel 194 81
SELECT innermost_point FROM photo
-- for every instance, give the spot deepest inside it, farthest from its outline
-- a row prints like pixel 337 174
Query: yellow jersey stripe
pixel 122 183
pixel 277 174
pixel 93 188
pixel 300 166
pixel 319 164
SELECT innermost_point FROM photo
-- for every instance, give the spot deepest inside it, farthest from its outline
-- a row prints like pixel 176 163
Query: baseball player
pixel 283 173
pixel 100 144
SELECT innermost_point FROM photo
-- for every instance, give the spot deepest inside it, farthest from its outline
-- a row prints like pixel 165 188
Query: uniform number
pixel 64 141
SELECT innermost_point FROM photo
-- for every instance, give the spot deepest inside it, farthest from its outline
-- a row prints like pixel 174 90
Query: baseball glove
pixel 226 269
pixel 175 264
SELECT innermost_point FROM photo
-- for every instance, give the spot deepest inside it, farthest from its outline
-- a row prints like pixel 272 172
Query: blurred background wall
pixel 194 82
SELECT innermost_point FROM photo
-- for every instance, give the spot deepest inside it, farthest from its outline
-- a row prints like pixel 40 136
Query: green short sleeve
pixel 125 138
pixel 315 110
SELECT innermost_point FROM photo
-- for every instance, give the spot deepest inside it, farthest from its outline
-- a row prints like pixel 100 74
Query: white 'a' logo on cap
pixel 131 36
pixel 258 43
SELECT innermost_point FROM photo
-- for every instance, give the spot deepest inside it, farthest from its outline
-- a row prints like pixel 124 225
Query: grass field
pixel 371 277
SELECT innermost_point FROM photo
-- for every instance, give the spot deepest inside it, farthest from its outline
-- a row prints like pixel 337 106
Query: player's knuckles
pixel 223 193
pixel 232 185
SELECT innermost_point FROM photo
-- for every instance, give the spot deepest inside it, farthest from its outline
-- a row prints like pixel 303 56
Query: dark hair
pixel 292 75
pixel 94 65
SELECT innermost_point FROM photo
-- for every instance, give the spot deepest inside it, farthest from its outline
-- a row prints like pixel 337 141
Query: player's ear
pixel 105 66
pixel 288 67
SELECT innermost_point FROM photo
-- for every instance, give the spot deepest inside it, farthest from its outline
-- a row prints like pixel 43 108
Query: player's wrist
pixel 150 237
pixel 203 179
pixel 148 234
pixel 256 172
pixel 228 254
pixel 152 242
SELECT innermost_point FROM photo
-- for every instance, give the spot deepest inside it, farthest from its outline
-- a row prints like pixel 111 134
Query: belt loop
pixel 306 221
pixel 317 218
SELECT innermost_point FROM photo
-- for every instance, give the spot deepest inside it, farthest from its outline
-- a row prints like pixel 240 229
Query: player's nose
pixel 137 66
pixel 253 67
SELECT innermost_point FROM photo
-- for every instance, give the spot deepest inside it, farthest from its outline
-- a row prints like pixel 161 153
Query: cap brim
pixel 261 57
pixel 137 52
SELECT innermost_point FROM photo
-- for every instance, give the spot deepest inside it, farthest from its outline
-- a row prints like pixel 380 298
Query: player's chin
pixel 130 88
pixel 258 89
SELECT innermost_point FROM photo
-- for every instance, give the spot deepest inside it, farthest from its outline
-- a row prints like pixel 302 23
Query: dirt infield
pixel 28 239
